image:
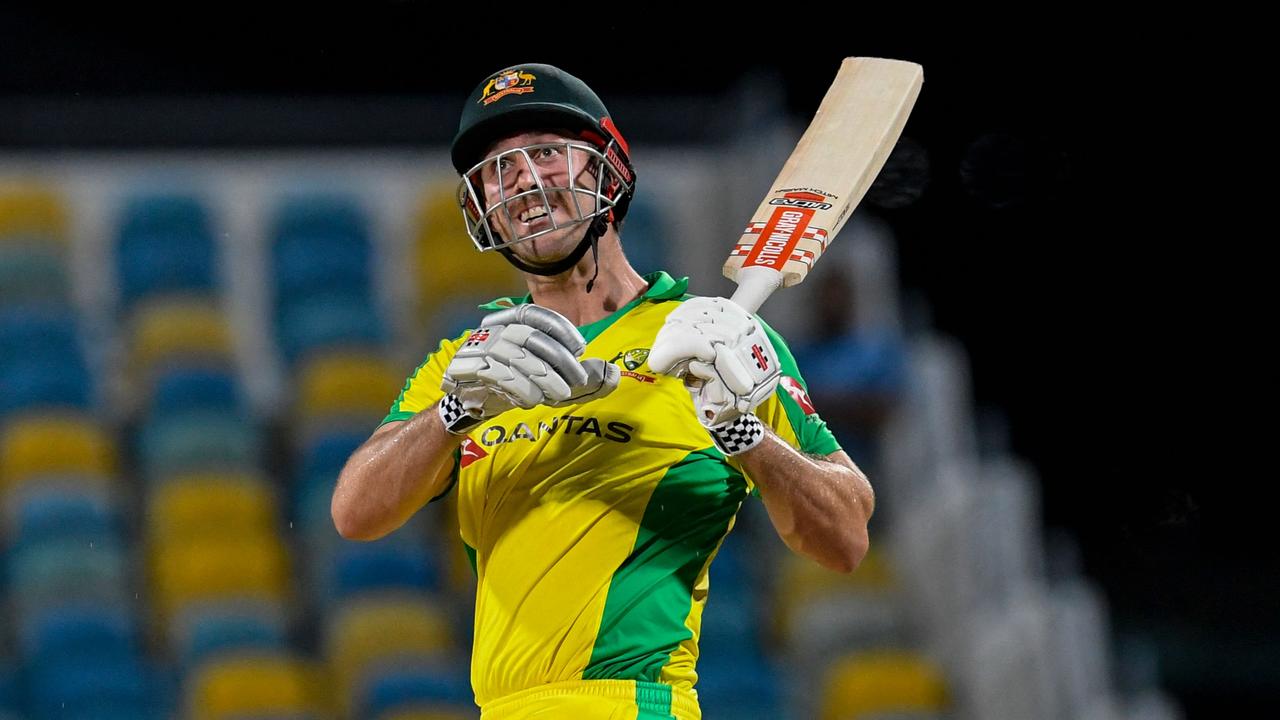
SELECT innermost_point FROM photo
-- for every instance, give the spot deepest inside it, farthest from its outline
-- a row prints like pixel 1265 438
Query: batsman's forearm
pixel 392 475
pixel 820 508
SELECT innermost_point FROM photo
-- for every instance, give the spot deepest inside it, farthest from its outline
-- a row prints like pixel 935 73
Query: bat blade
pixel 833 165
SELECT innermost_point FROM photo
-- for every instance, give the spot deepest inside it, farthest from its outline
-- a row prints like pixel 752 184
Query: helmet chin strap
pixel 589 240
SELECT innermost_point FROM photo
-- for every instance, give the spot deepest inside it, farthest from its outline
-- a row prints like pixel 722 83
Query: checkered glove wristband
pixel 738 435
pixel 456 420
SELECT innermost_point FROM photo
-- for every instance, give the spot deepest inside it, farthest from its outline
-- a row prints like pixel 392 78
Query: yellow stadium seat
pixel 54 444
pixel 444 267
pixel 886 681
pixel 802 580
pixel 31 209
pixel 379 628
pixel 218 568
pixel 257 685
pixel 178 327
pixel 211 504
pixel 347 383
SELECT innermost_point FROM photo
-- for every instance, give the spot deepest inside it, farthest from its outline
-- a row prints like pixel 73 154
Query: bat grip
pixel 755 284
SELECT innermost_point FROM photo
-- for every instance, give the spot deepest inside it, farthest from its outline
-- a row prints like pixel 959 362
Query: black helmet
pixel 540 96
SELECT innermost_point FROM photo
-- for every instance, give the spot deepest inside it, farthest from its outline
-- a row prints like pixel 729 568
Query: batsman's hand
pixel 728 364
pixel 523 357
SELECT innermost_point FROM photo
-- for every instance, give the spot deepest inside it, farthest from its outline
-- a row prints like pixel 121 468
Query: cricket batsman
pixel 602 431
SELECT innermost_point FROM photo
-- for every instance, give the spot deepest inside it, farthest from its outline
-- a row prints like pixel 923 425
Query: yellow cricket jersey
pixel 591 526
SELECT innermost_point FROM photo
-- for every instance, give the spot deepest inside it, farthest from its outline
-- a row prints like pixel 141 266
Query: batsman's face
pixel 527 179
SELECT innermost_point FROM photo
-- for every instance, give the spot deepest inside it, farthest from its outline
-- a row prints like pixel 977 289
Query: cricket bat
pixel 839 156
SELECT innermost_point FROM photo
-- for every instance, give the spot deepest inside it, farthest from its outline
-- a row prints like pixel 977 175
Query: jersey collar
pixel 661 287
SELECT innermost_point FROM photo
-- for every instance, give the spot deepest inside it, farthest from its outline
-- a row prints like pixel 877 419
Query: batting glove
pixel 520 357
pixel 721 350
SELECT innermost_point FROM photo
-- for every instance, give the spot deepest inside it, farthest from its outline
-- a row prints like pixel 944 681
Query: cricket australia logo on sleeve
pixel 507 82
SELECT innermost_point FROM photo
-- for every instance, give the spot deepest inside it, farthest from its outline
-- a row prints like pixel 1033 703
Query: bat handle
pixel 755 284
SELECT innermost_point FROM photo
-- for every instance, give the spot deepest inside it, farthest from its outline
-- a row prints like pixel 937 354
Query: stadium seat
pixel 225 568
pixel 44 330
pixel 337 320
pixel 331 214
pixel 375 630
pixel 443 268
pixel 388 690
pixel 206 504
pixel 165 246
pixel 820 613
pixel 646 239
pixel 885 681
pixel 197 441
pixel 33 272
pixel 221 628
pixel 54 444
pixel 316 262
pixel 386 564
pixel 163 213
pixel 347 384
pixel 29 208
pixel 184 387
pixel 42 382
pixel 67 571
pixel 84 630
pixel 192 330
pixel 256 685
pixel 738 685
pixel 99 686
pixel 327 451
pixel 52 507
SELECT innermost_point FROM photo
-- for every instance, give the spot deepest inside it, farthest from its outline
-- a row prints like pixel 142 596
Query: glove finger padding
pixel 602 379
pixel 736 383
pixel 555 325
pixel 677 342
pixel 528 345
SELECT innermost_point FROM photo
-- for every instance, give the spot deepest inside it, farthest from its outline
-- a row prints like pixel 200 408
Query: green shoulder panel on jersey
pixel 815 438
pixel 442 354
pixel 688 516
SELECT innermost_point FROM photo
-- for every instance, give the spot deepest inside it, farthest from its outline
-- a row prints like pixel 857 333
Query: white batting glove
pixel 520 357
pixel 728 363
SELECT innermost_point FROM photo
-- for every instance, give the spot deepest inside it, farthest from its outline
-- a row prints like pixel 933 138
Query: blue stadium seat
pixel 400 687
pixel 64 571
pixel 383 564
pixel 45 330
pixel 152 264
pixel 78 630
pixel 91 687
pixel 198 440
pixel 183 388
pixel 309 263
pixel 730 625
pixel 217 633
pixel 164 214
pixel 47 511
pixel 644 238
pixel 326 320
pixel 321 214
pixel 327 452
pixel 45 380
pixel 32 271
pixel 739 686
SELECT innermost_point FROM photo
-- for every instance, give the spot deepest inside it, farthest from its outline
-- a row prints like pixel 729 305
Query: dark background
pixel 1069 236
